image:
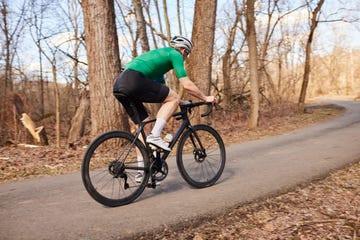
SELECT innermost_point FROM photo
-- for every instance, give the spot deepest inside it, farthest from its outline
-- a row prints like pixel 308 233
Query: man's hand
pixel 210 99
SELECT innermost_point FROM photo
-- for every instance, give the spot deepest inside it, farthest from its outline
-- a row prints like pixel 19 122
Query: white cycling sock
pixel 159 125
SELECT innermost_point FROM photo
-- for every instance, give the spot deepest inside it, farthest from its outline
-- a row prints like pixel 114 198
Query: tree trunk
pixel 200 61
pixel 179 16
pixel 104 65
pixel 42 101
pixel 78 121
pixel 226 68
pixel 6 81
pixel 227 58
pixel 305 82
pixel 75 22
pixel 167 22
pixel 11 27
pixel 141 26
pixel 254 81
pixel 147 9
pixel 57 103
pixel 159 20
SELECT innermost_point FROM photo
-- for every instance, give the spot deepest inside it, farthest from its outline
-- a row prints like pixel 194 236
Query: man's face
pixel 185 53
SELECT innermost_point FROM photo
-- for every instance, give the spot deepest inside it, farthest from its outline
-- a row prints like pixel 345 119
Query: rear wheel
pixel 201 156
pixel 110 169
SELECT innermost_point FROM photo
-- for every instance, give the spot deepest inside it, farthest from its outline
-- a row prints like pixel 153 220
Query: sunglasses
pixel 186 52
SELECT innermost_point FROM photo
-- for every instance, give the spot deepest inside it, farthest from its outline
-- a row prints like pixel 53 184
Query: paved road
pixel 59 207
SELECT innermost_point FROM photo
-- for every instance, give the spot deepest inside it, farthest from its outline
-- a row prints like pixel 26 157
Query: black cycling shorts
pixel 138 90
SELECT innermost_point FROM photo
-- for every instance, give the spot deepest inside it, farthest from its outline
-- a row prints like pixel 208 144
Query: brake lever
pixel 209 110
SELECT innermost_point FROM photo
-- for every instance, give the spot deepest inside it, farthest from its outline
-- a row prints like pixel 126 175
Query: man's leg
pixel 169 106
pixel 167 109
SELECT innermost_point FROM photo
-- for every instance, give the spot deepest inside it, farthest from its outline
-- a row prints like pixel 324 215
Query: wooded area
pixel 59 59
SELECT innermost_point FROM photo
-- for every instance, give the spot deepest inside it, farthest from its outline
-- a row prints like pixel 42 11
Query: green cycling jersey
pixel 154 64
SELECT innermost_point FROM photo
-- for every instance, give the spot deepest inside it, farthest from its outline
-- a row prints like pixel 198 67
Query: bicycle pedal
pixel 153 184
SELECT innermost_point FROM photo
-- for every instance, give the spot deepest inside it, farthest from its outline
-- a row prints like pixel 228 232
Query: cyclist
pixel 142 81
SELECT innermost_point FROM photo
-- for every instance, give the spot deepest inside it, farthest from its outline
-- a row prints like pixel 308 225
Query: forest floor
pixel 324 209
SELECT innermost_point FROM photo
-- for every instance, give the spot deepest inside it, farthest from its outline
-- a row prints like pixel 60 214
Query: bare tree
pixel 51 57
pixel 35 21
pixel 104 65
pixel 253 64
pixel 228 58
pixel 141 25
pixel 52 60
pixel 150 23
pixel 159 20
pixel 73 13
pixel 200 61
pixel 11 33
pixel 159 32
pixel 167 22
pixel 272 11
pixel 126 11
pixel 49 51
pixel 313 25
pixel 179 16
pixel 80 100
pixel 11 30
pixel 77 123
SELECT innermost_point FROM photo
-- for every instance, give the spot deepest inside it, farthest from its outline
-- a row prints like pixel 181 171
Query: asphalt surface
pixel 60 208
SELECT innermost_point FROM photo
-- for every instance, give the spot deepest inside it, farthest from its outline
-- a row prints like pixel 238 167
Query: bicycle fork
pixel 199 150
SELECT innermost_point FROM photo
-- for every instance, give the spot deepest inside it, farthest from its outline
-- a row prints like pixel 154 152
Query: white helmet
pixel 181 42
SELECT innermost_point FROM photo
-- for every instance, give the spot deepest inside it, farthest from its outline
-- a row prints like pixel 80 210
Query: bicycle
pixel 110 162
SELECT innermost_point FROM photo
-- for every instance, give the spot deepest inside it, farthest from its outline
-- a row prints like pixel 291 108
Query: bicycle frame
pixel 119 182
pixel 181 115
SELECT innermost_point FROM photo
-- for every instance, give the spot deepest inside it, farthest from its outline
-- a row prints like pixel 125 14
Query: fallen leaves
pixel 322 210
pixel 18 163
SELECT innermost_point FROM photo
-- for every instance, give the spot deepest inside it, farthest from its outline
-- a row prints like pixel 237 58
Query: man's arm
pixel 193 90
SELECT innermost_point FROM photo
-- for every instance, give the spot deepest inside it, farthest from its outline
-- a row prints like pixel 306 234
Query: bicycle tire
pixel 109 168
pixel 198 169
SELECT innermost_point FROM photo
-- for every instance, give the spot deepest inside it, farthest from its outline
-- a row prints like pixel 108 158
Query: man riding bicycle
pixel 142 81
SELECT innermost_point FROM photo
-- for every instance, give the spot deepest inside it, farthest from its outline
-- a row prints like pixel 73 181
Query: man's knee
pixel 173 97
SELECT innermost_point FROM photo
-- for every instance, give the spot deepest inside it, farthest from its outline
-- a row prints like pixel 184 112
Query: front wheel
pixel 110 169
pixel 201 156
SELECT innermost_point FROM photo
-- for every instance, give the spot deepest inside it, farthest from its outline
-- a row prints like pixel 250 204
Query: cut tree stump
pixel 38 133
